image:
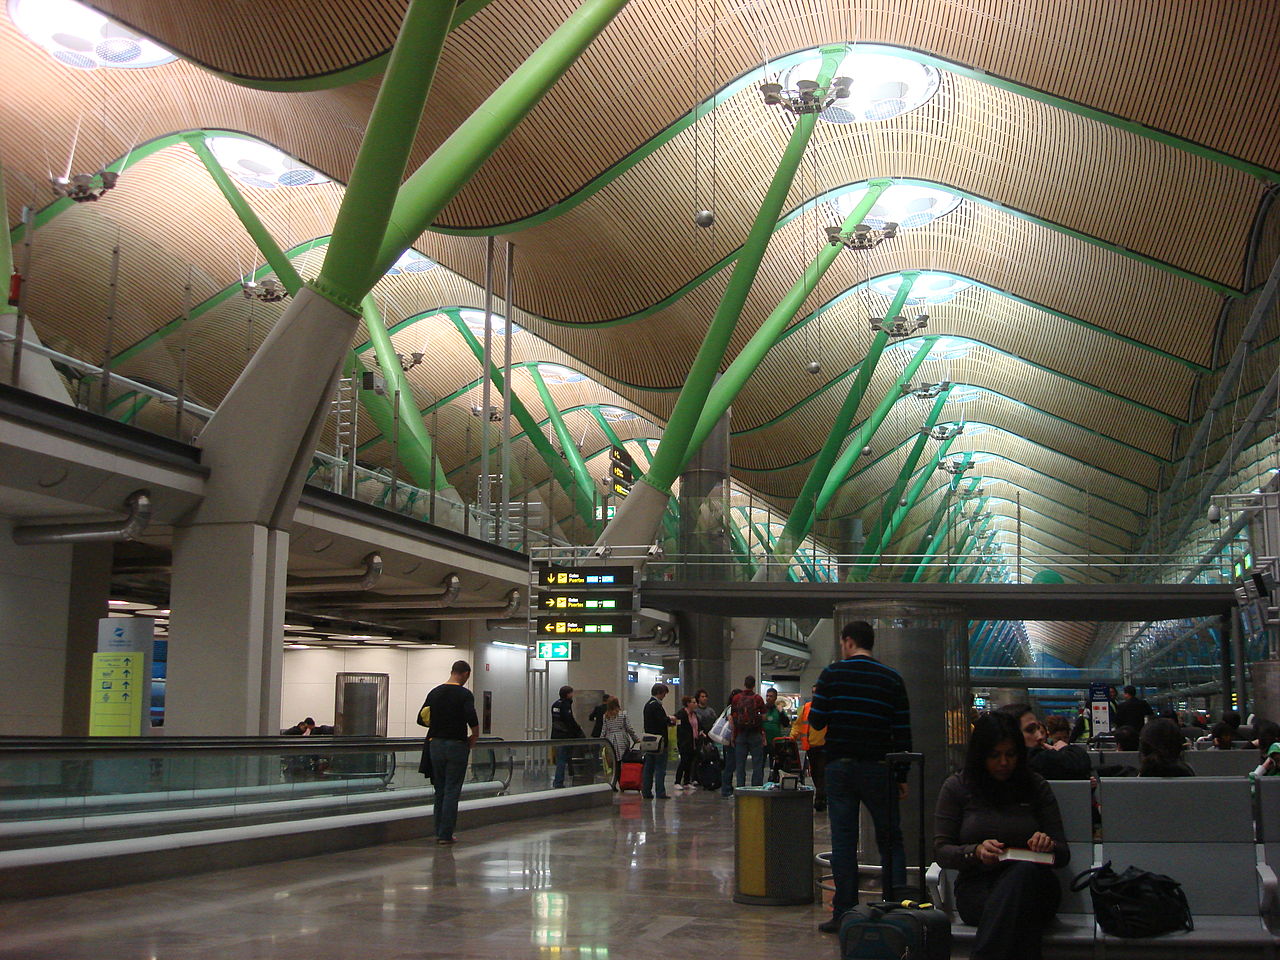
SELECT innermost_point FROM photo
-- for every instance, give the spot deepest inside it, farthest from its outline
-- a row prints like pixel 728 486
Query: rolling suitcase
pixel 630 776
pixel 894 931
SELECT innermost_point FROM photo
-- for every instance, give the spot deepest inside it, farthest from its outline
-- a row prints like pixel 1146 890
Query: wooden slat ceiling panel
pixel 1067 640
pixel 795 434
pixel 1086 53
pixel 990 142
pixel 1087 505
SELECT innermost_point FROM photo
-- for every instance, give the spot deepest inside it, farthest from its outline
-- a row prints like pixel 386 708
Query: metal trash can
pixel 773 846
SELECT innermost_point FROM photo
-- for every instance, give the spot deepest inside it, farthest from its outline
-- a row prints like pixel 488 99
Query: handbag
pixel 424 715
pixel 722 729
pixel 1135 903
pixel 650 743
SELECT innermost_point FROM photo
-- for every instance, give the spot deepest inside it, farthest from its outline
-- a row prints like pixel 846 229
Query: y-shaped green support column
pixel 533 430
pixel 637 519
pixel 567 445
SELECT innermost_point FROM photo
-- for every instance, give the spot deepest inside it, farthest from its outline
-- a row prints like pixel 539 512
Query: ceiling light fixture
pixel 269 290
pixel 862 237
pixel 926 391
pixel 84 187
pixel 875 86
pixel 944 431
pixel 899 326
pixel 803 96
pixel 81 38
pixel 955 467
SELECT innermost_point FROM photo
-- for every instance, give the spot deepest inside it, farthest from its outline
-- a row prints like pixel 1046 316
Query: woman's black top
pixel 965 817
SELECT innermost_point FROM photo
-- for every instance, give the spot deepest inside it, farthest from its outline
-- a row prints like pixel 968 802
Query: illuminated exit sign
pixel 557 650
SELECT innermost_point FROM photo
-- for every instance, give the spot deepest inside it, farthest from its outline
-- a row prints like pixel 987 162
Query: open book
pixel 1022 853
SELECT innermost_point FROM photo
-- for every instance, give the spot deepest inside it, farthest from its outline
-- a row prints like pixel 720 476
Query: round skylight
pixel 411 261
pixel 555 373
pixel 905 204
pixel 617 414
pixel 883 86
pixel 474 319
pixel 951 348
pixel 259 164
pixel 965 395
pixel 82 38
pixel 928 288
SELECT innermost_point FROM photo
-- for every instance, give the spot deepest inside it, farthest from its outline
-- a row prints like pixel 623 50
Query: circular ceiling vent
pixel 883 86
pixel 82 38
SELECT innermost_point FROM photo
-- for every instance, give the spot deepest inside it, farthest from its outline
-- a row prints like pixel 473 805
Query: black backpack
pixel 748 713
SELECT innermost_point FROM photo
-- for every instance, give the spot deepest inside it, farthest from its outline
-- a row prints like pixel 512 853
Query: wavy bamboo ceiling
pixel 1111 162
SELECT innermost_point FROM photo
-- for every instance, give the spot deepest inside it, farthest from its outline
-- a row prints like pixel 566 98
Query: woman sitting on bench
pixel 998 824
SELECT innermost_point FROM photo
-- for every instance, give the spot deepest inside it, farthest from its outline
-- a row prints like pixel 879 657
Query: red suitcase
pixel 630 776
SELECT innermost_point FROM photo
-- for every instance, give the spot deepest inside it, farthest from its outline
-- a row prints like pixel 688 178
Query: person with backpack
pixel 747 712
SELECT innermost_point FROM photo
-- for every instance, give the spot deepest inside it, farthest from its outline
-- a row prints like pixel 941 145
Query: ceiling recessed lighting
pixel 928 287
pixel 474 319
pixel 299 646
pixel 78 37
pixel 296 627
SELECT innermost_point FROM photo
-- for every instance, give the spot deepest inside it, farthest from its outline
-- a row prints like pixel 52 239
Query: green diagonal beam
pixel 901 510
pixel 840 469
pixel 726 389
pixel 875 544
pixel 558 467
pixel 430 188
pixel 935 540
pixel 672 451
pixel 567 446
pixel 350 267
pixel 415 447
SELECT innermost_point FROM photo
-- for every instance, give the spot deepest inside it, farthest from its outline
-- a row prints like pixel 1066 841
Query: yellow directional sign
pixel 115 694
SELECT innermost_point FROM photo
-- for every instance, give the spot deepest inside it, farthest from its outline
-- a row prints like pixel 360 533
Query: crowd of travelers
pixel 996 820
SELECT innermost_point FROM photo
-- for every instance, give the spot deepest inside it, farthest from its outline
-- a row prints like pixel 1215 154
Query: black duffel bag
pixel 1135 903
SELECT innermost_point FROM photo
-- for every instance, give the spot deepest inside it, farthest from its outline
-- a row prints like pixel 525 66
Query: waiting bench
pixel 1200 831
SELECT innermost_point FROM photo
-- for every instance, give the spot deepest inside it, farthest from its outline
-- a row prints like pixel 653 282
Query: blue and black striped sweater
pixel 863 705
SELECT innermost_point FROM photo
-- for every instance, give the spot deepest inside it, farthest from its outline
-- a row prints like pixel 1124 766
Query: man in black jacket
pixel 564 726
pixel 656 721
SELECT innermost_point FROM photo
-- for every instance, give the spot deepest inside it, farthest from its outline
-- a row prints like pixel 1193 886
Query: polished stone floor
pixel 641 879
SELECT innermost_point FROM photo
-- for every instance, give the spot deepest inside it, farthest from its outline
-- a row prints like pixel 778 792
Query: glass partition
pixel 71 791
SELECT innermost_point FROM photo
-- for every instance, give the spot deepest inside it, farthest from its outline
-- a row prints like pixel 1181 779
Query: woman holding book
pixel 998 824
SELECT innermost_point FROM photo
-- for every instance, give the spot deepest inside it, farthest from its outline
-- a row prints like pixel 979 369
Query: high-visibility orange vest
pixel 801 732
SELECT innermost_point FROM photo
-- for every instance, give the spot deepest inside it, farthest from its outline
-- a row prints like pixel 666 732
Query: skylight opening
pixel 906 204
pixel 883 87
pixel 411 261
pixel 928 287
pixel 555 373
pixel 83 39
pixel 951 348
pixel 617 414
pixel 965 394
pixel 258 164
pixel 474 319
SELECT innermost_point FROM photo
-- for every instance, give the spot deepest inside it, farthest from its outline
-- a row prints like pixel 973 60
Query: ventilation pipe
pixel 486 611
pixel 137 507
pixel 325 584
pixel 450 588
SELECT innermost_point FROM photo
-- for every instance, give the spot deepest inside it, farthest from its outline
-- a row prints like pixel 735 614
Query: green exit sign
pixel 556 650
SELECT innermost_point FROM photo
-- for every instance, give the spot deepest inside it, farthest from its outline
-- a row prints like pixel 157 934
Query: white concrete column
pixel 603 667
pixel 226 636
pixel 35 584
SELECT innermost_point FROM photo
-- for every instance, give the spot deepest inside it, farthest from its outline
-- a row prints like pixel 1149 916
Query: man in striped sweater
pixel 863 706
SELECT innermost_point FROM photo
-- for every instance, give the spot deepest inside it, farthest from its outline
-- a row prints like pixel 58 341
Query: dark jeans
pixel 817 757
pixel 730 761
pixel 449 769
pixel 655 771
pixel 849 783
pixel 751 743
pixel 563 756
pixel 688 760
pixel 1010 905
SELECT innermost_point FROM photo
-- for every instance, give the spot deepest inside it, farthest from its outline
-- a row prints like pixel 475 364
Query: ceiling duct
pixel 480 611
pixel 137 507
pixel 448 592
pixel 325 584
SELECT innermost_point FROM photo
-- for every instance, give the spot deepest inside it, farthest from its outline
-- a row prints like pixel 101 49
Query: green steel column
pixel 673 450
pixel 447 170
pixel 967 545
pixel 875 543
pixel 604 425
pixel 256 229
pixel 836 475
pixel 533 431
pixel 567 446
pixel 350 266
pixel 726 389
pixel 6 254
pixel 892 512
pixel 935 540
pixel 818 487
pixel 901 510
pixel 740 548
